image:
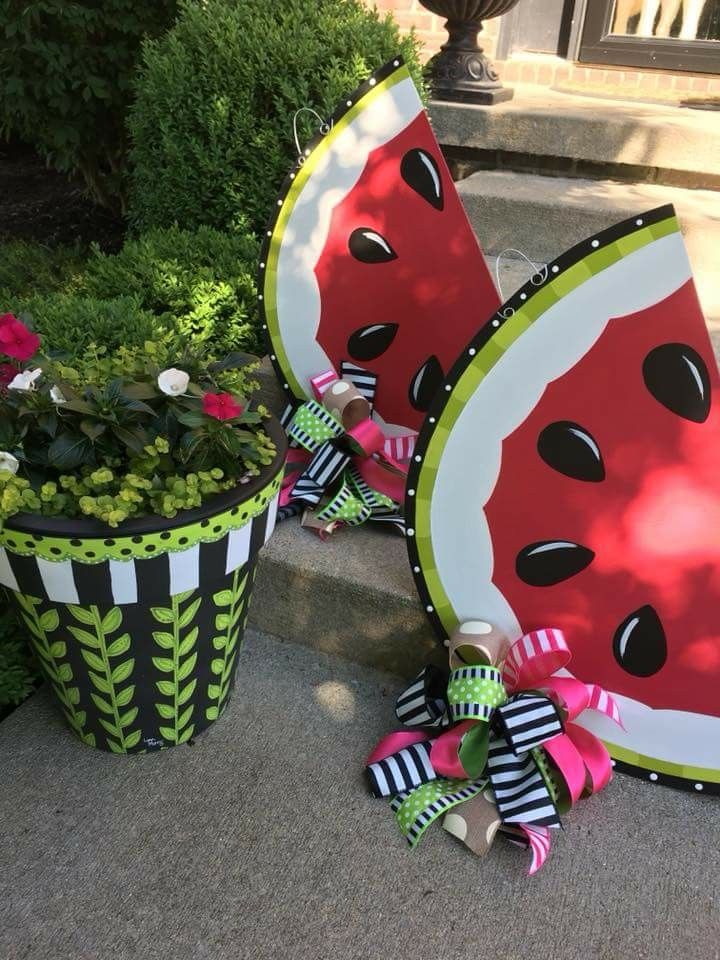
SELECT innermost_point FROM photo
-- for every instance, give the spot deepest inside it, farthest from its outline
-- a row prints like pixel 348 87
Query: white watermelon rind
pixel 377 85
pixel 563 276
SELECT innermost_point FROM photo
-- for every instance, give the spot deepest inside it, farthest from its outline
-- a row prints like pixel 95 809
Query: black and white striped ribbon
pixel 364 380
pixel 424 702
pixel 520 791
pixel 527 720
pixel 402 771
pixel 323 470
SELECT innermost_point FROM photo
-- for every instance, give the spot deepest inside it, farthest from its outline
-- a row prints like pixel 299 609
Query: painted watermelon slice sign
pixel 371 257
pixel 569 476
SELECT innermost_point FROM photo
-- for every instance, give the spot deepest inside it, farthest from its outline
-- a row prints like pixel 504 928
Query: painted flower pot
pixel 138 628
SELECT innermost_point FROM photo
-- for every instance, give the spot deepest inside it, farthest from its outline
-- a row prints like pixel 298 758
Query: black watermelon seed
pixel 425 384
pixel 420 172
pixel 547 562
pixel 639 644
pixel 368 246
pixel 571 449
pixel 368 343
pixel 677 376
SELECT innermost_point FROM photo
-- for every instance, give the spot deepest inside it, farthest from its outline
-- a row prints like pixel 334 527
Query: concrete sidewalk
pixel 260 842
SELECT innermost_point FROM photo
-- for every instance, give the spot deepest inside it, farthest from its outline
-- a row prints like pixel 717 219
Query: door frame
pixel 598 45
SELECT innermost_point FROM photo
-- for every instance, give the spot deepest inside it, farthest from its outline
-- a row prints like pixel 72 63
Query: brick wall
pixel 429 26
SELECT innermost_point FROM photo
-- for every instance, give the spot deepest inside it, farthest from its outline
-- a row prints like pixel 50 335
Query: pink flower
pixel 222 406
pixel 7 373
pixel 15 339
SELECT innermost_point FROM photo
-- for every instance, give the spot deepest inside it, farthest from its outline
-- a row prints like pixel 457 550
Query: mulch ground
pixel 41 206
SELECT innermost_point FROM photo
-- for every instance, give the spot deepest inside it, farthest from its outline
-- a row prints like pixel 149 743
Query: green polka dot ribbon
pixel 474 692
pixel 418 810
pixel 355 502
pixel 312 425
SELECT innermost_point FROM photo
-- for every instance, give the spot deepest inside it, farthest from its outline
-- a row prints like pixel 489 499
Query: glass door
pixel 664 34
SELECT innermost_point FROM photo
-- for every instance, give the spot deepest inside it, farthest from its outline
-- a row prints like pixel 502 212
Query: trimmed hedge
pixel 19 673
pixel 212 122
pixel 66 74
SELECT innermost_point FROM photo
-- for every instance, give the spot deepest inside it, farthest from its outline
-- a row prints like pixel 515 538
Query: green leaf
pixel 211 713
pixel 135 440
pixel 125 696
pixel 222 621
pixel 81 614
pixel 182 597
pixel 166 687
pixel 127 718
pixel 58 650
pixel 92 429
pixel 100 683
pixel 187 617
pixel 92 659
pixel 73 694
pixel 186 692
pixel 114 747
pixel 187 668
pixel 50 621
pixel 111 621
pixel 162 614
pixel 186 734
pixel 26 603
pixel 101 703
pixel 164 640
pixel 165 710
pixel 65 674
pixel 132 739
pixel 121 645
pixel 123 671
pixel 164 664
pixel 213 691
pixel 189 642
pixel 89 639
pixel 69 450
pixel 219 642
pixel 168 733
pixel 110 727
pixel 216 666
pixel 223 598
pixel 184 718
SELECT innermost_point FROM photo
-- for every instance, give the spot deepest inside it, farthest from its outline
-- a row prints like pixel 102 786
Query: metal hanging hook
pixel 324 128
pixel 538 277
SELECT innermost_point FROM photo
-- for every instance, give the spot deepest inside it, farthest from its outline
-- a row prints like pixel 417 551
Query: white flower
pixel 173 382
pixel 25 380
pixel 8 462
pixel 56 395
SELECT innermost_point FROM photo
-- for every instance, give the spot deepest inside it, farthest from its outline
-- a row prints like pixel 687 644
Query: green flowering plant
pixel 138 431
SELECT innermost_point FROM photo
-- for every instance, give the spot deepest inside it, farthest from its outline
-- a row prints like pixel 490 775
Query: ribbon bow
pixel 341 468
pixel 507 749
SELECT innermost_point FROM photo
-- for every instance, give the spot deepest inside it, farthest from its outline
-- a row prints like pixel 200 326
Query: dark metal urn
pixel 461 71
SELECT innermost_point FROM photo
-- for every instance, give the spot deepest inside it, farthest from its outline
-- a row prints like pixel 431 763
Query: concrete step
pixel 675 144
pixel 260 842
pixel 544 216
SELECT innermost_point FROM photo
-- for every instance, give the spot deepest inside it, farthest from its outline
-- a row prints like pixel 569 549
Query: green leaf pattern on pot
pixel 177 661
pixel 108 669
pixel 229 624
pixel 51 654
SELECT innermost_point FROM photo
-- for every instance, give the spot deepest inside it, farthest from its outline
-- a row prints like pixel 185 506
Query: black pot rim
pixel 87 528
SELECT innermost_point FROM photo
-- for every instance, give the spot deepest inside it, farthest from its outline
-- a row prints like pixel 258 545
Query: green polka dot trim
pixel 424 805
pixel 141 546
pixel 474 692
pixel 556 788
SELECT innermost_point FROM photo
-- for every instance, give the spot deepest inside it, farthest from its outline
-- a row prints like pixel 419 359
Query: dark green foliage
pixel 212 122
pixel 19 674
pixel 70 321
pixel 66 72
pixel 201 284
pixel 28 269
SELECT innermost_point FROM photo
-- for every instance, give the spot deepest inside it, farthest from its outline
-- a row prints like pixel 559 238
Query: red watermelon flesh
pixel 622 453
pixel 402 279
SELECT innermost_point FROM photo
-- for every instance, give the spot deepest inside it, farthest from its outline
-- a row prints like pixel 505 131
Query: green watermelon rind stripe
pixel 478 368
pixel 125 548
pixel 298 184
pixel 699 774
